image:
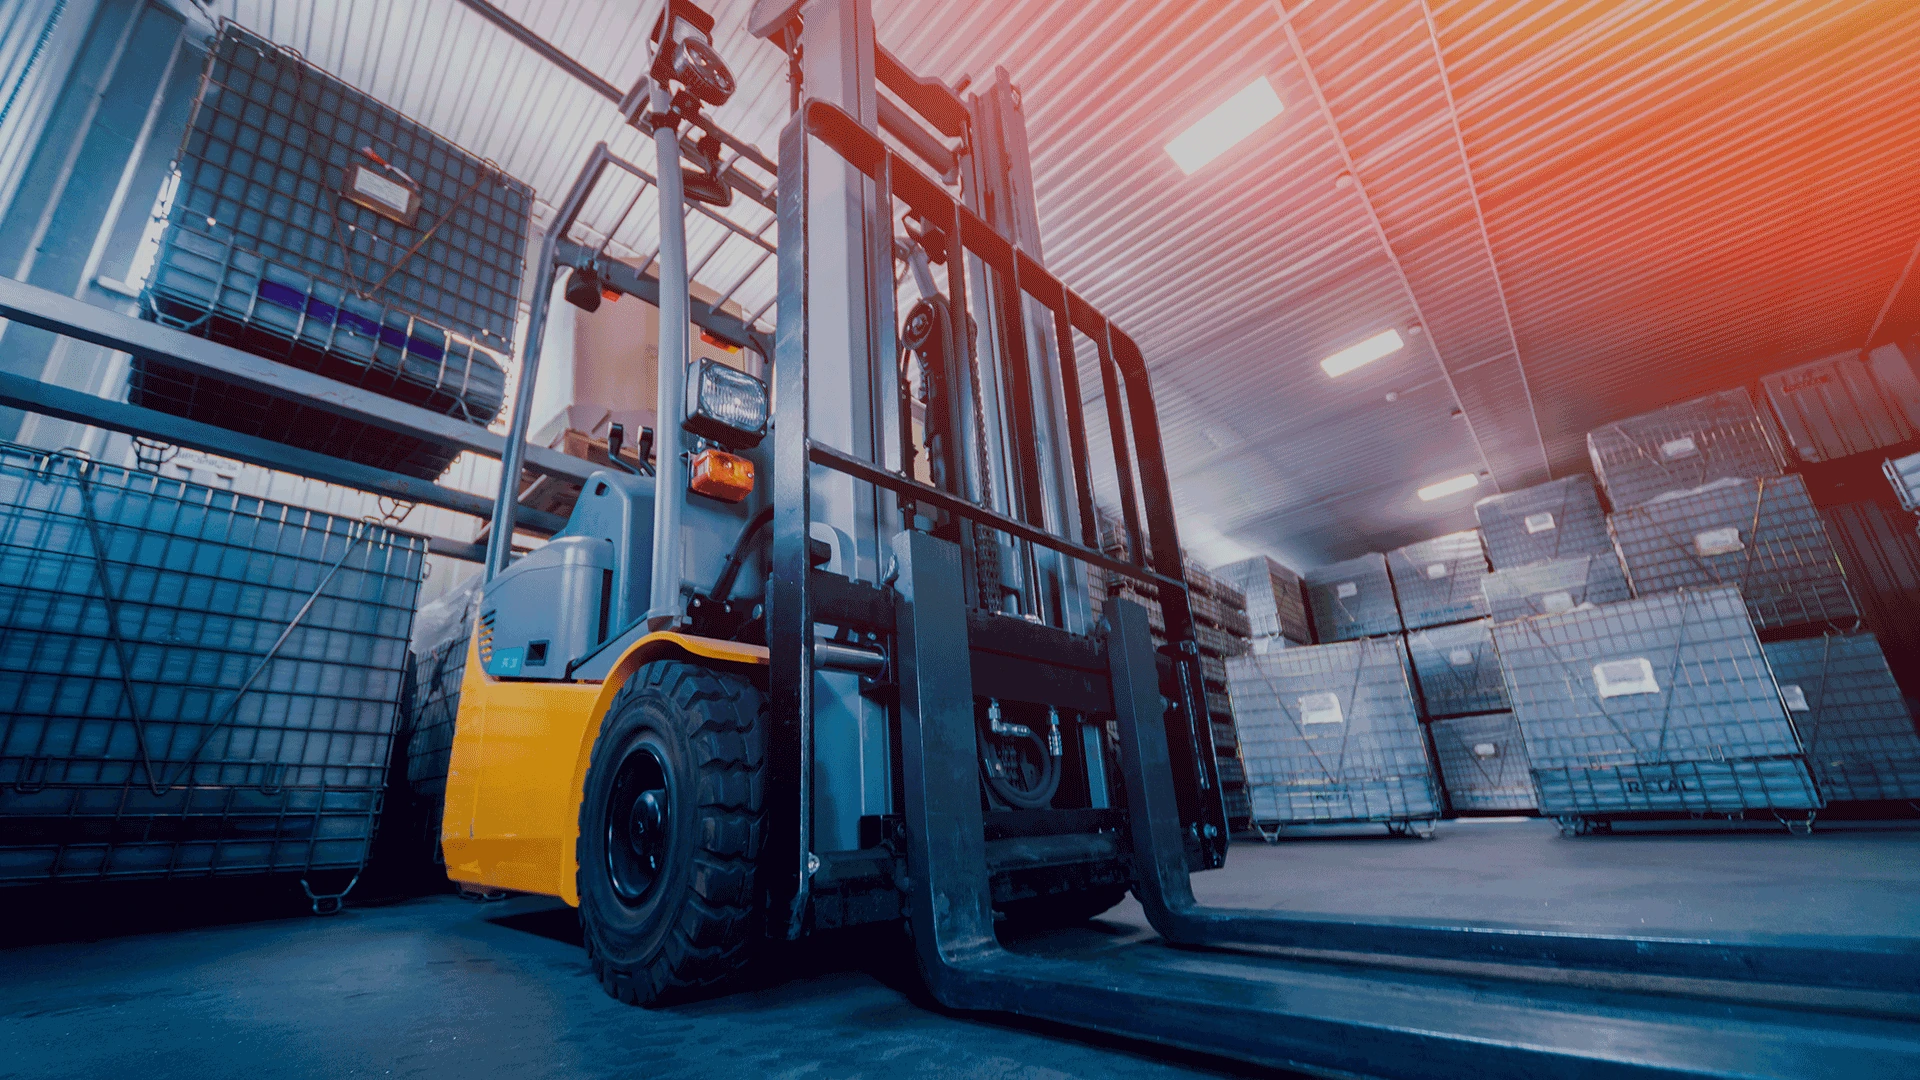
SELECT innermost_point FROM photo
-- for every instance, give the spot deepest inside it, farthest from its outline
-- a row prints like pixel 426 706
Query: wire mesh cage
pixel 1859 735
pixel 319 228
pixel 1352 599
pixel 1663 704
pixel 1555 520
pixel 1550 588
pixel 1438 581
pixel 442 635
pixel 1904 474
pixel 1716 437
pixel 1763 535
pixel 1457 669
pixel 1329 733
pixel 1483 763
pixel 191 681
pixel 1276 606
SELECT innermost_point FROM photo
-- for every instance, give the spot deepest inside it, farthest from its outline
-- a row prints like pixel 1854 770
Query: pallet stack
pixel 1222 629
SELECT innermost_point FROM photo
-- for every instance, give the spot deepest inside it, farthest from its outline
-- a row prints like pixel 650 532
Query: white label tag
pixel 1485 749
pixel 1554 603
pixel 1436 571
pixel 1460 657
pixel 1678 448
pixel 1321 709
pixel 1541 522
pixel 1795 697
pixel 1346 589
pixel 1718 541
pixel 380 189
pixel 1617 678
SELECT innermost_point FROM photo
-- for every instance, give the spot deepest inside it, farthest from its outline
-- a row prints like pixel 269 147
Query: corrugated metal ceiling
pixel 1589 209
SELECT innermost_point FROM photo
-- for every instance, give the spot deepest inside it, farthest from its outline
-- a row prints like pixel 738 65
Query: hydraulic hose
pixel 730 572
pixel 991 771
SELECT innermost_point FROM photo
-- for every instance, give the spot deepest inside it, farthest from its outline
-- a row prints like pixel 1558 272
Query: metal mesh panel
pixel 1858 733
pixel 1352 599
pixel 210 679
pixel 1664 703
pixel 1904 475
pixel 1458 669
pixel 1330 733
pixel 436 704
pixel 1275 604
pixel 1689 445
pixel 1763 535
pixel 1438 581
pixel 1553 587
pixel 1483 762
pixel 264 251
pixel 1555 520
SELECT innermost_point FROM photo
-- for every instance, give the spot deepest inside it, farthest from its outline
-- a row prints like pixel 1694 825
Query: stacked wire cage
pixel 1222 629
pixel 1852 718
pixel 1717 437
pixel 1352 599
pixel 192 682
pixel 1654 707
pixel 1330 734
pixel 318 228
pixel 1440 587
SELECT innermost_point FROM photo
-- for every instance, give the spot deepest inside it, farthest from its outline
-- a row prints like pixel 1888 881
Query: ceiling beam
pixel 1486 240
pixel 1891 296
pixel 1379 230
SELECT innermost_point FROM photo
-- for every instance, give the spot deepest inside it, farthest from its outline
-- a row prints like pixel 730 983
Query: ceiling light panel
pixel 1354 356
pixel 1458 484
pixel 1220 130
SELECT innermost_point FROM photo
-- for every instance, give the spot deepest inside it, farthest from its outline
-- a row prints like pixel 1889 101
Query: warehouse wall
pixel 84 191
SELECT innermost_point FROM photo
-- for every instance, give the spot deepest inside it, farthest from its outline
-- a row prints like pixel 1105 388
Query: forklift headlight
pixel 726 405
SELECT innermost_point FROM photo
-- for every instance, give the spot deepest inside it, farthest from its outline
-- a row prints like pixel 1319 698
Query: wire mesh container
pixel 1457 669
pixel 1550 588
pixel 1555 520
pixel 1483 763
pixel 317 227
pixel 1904 475
pixel 1763 535
pixel 1846 404
pixel 1716 437
pixel 1859 736
pixel 1663 704
pixel 1881 554
pixel 1352 599
pixel 1276 607
pixel 191 681
pixel 1438 581
pixel 1329 733
pixel 440 648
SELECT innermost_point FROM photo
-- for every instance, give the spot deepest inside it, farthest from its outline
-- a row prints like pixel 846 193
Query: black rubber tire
pixel 696 924
pixel 1061 909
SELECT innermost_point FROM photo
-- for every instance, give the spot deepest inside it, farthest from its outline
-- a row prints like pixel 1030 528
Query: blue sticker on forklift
pixel 506 662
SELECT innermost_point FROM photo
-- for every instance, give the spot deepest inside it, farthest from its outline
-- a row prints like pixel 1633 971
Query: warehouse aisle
pixel 441 987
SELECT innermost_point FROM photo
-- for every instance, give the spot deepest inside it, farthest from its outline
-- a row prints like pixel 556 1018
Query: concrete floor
pixel 438 986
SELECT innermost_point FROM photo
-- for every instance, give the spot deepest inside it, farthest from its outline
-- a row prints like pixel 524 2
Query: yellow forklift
pixel 824 653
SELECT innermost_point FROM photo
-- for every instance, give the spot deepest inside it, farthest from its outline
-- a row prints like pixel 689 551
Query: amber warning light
pixel 720 475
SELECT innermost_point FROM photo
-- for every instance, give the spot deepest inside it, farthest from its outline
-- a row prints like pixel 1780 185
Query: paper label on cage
pixel 1618 678
pixel 1346 589
pixel 1678 448
pixel 1554 603
pixel 1795 697
pixel 1321 709
pixel 1541 522
pixel 1485 749
pixel 1436 571
pixel 381 190
pixel 1460 657
pixel 1718 541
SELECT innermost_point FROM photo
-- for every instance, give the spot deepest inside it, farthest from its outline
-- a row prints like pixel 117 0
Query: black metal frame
pixel 1016 276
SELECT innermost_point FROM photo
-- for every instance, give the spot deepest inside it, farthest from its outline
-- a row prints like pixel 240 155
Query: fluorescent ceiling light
pixel 1444 488
pixel 1366 352
pixel 1215 133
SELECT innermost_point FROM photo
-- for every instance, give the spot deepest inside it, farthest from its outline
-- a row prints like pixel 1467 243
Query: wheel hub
pixel 639 823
